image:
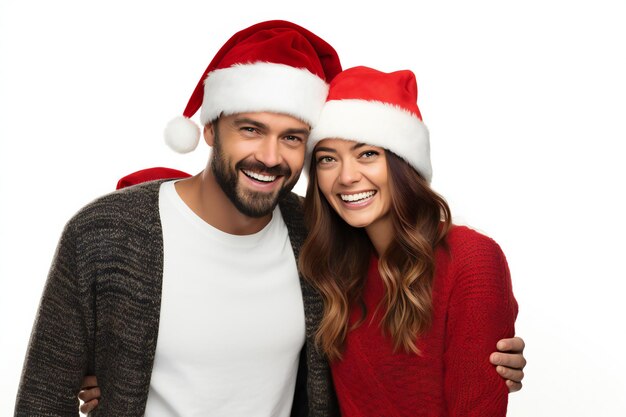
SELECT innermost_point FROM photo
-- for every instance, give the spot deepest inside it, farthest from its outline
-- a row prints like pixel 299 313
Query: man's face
pixel 257 157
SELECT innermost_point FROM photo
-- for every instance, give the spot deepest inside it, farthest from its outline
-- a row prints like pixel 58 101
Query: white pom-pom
pixel 182 134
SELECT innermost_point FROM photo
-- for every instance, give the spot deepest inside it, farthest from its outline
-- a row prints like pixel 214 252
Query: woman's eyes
pixel 369 154
pixel 325 159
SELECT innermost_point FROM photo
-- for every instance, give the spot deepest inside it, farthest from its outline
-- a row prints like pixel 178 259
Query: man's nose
pixel 269 152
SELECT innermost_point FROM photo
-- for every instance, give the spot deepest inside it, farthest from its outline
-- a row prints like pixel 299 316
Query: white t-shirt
pixel 232 319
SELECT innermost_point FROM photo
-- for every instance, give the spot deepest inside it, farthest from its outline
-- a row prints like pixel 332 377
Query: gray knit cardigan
pixel 99 312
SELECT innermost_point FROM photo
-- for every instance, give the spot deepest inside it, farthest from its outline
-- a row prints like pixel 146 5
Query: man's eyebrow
pixel 305 132
pixel 246 121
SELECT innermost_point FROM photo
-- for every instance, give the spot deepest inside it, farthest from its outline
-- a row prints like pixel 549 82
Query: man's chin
pixel 255 212
pixel 257 204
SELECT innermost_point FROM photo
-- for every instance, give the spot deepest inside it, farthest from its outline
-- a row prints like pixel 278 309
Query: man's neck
pixel 205 197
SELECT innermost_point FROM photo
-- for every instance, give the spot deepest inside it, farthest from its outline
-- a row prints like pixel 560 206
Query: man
pixel 183 298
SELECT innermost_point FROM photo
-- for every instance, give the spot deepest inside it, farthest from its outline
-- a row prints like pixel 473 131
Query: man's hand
pixel 510 362
pixel 89 394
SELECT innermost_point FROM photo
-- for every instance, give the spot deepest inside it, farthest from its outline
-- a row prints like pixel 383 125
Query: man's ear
pixel 209 134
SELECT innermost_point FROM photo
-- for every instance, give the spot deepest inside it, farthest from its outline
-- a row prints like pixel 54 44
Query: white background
pixel 525 102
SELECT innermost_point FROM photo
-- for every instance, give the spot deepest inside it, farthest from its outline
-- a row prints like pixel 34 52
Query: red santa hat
pixel 150 174
pixel 275 66
pixel 377 108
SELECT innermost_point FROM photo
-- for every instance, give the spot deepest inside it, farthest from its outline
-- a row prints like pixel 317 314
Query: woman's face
pixel 353 178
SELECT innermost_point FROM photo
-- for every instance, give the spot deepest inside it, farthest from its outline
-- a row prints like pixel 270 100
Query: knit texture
pixel 99 312
pixel 473 308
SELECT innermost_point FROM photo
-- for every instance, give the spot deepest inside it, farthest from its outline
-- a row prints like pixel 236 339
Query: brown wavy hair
pixel 335 259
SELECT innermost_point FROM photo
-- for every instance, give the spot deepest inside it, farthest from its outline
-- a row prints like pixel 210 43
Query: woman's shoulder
pixel 474 269
pixel 466 245
pixel 464 237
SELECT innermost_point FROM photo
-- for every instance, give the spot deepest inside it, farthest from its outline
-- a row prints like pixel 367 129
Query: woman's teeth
pixel 351 198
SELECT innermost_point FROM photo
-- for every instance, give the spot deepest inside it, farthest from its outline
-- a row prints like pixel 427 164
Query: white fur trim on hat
pixel 182 134
pixel 379 124
pixel 263 86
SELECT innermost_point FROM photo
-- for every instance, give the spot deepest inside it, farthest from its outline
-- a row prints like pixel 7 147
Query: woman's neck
pixel 381 234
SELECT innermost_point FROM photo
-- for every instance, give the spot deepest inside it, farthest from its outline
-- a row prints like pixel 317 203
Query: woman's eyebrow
pixel 324 149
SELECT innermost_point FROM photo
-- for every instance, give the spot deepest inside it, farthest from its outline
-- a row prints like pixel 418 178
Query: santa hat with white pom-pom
pixel 274 66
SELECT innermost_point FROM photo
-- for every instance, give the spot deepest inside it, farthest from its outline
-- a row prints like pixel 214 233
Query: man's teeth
pixel 260 177
pixel 356 197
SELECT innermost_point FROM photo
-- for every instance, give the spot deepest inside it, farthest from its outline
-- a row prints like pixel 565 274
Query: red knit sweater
pixel 473 307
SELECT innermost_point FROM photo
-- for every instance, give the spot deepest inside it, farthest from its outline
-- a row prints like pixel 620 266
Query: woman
pixel 413 305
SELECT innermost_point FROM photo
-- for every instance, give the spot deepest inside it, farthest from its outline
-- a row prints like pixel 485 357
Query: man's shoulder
pixel 292 209
pixel 291 202
pixel 136 203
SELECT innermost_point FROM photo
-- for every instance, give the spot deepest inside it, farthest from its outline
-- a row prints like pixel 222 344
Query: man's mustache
pixel 278 170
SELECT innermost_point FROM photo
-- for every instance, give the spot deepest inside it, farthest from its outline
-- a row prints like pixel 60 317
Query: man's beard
pixel 250 203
